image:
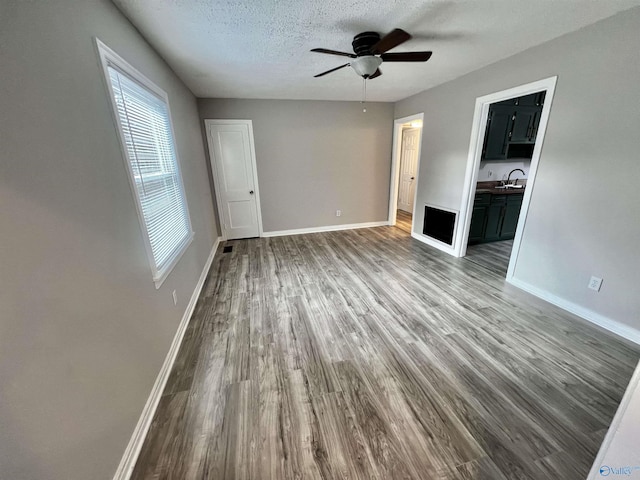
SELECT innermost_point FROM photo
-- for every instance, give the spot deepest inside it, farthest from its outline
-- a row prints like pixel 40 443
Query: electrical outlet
pixel 175 297
pixel 595 283
pixel 338 213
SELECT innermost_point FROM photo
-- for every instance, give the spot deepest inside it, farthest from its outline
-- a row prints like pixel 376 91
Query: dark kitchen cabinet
pixel 476 230
pixel 510 217
pixel 512 127
pixel 495 217
pixel 492 229
pixel 535 123
pixel 532 100
pixel 525 125
pixel 480 204
pixel 497 133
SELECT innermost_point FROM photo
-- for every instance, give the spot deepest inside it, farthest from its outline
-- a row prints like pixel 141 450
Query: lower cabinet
pixel 494 223
pixel 478 218
pixel 495 217
pixel 511 215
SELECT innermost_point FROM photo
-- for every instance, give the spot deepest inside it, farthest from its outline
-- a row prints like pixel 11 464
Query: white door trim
pixel 395 164
pixel 216 183
pixel 619 422
pixel 475 153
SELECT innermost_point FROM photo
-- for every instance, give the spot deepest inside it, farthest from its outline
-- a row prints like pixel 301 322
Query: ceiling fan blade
pixel 406 57
pixel 376 74
pixel 332 70
pixel 390 40
pixel 333 52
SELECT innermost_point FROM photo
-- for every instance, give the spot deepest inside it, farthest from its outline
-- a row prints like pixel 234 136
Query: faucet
pixel 516 180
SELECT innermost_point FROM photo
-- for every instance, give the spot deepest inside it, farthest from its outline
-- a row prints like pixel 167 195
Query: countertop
pixel 490 187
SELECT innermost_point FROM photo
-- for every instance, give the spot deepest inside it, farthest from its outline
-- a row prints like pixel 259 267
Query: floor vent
pixel 439 224
pixel 227 249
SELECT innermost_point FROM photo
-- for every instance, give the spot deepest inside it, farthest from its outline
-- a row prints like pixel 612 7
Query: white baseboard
pixel 620 329
pixel 432 242
pixel 132 451
pixel 329 228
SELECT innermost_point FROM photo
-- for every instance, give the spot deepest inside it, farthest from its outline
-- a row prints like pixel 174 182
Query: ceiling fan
pixel 371 50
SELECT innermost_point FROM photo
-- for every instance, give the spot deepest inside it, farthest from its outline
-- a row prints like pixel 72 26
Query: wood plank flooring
pixel 364 354
pixel 404 220
pixel 493 256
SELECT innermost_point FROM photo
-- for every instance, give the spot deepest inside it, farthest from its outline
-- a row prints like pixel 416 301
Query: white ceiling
pixel 260 48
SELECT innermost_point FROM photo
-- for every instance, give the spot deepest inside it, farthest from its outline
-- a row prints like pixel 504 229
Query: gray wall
pixel 83 331
pixel 315 157
pixel 584 216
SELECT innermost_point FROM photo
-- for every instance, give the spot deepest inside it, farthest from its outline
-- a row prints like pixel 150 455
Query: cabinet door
pixel 477 223
pixel 523 124
pixel 535 122
pixel 509 101
pixel 511 215
pixel 494 221
pixel 528 100
pixel 497 136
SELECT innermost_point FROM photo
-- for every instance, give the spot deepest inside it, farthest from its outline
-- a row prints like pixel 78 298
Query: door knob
pixel 251 192
pixel 413 178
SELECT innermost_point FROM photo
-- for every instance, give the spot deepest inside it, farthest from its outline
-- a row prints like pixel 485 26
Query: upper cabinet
pixel 497 134
pixel 525 124
pixel 512 127
pixel 533 100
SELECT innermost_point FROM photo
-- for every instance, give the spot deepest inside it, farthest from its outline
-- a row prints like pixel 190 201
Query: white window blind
pixel 146 131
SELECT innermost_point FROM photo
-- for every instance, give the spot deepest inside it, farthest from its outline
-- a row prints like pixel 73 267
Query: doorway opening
pixel 405 165
pixel 506 141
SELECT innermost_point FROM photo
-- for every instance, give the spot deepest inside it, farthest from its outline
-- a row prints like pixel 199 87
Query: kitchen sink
pixel 507 187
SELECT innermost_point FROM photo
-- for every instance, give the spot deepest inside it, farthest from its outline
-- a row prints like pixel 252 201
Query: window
pixel 143 119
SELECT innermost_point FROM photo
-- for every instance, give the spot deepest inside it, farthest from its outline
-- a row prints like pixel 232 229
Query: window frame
pixel 107 56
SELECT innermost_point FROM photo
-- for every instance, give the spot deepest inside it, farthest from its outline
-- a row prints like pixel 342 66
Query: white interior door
pixel 232 162
pixel 408 168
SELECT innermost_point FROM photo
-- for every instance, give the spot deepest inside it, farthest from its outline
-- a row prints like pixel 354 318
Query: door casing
pixel 395 165
pixel 475 154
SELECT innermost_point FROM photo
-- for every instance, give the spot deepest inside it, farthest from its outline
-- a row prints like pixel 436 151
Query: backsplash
pixel 502 168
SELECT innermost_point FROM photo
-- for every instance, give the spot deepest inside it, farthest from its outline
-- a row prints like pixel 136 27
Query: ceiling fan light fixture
pixel 366 65
pixel 370 51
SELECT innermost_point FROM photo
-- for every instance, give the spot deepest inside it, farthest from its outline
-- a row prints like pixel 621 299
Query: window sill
pixel 162 275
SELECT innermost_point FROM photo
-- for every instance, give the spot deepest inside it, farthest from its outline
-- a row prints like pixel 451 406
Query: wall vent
pixel 439 224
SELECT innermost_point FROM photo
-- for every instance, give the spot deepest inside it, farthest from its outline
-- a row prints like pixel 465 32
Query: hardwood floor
pixel 364 354
pixel 403 220
pixel 493 256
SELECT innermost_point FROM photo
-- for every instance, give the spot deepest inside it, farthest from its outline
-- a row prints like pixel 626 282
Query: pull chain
pixel 364 94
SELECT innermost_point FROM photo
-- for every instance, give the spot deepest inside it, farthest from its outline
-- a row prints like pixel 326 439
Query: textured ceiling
pixel 260 48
